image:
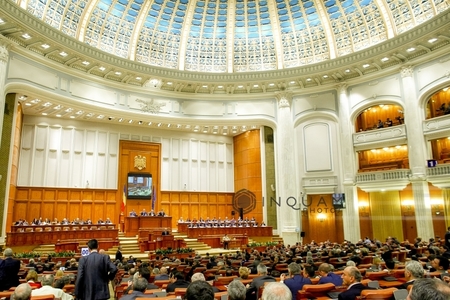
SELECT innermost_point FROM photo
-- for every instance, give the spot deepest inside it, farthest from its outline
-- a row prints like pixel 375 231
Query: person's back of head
pixel 199 290
pixel 236 290
pixel 414 268
pixel 8 253
pixel 163 270
pixel 198 276
pixel 144 273
pixel 294 268
pixel 276 291
pixel 48 279
pixel 22 292
pixel 177 275
pixel 390 264
pixel 92 244
pixel 262 269
pixel 429 289
pixel 140 284
pixel 59 283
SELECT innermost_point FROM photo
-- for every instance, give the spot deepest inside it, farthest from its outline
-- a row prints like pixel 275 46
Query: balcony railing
pixel 380 137
pixel 402 174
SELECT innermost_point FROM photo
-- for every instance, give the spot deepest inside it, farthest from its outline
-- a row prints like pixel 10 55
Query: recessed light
pixel 45 46
pixel 28 104
pixel 159 124
pixel 204 86
pixel 46 104
pixel 255 85
pixel 110 118
pixel 63 54
pixel 72 117
pixel 44 114
pixel 23 97
pixel 411 49
pixel 445 89
pixel 220 86
pixel 292 82
pixel 271 84
pixel 80 112
pixel 308 79
pixel 69 110
pixel 118 73
pixel 90 115
pixel 121 119
pixel 86 63
pixel 168 125
pixel 169 83
pixel 240 86
pixel 149 123
pixel 385 59
pixel 130 121
pixel 26 36
pixel 140 122
pixel 325 76
pixel 1 21
pixel 347 71
pixel 102 69
pixel 138 78
pixel 57 107
pixel 59 116
pixel 35 100
pixel 366 66
pixel 432 40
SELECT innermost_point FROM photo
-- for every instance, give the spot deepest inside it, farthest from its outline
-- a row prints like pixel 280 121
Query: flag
pixel 153 198
pixel 124 198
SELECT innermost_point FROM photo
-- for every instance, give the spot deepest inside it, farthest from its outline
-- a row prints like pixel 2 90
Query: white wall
pixel 66 153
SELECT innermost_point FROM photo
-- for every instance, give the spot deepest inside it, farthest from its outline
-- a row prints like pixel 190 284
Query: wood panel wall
pixel 368 119
pixel 438 101
pixel 247 168
pixel 320 221
pixel 36 202
pixel 193 205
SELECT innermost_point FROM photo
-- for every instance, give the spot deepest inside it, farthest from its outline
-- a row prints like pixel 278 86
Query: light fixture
pixel 271 84
pixel 26 36
pixel 121 119
pixel 79 112
pixel 411 49
pixel 240 86
pixel 347 71
pixel 204 86
pixel 321 217
pixel 140 122
pixel 168 125
pixel 23 97
pixel 220 86
pixel 255 85
pixel 159 124
pixel 308 79
pixel 2 21
pixel 100 116
pixel 432 40
pixel 365 66
pixel 325 76
pixel 149 123
pixel 44 114
pixel 57 106
pixel 384 59
pixel 130 121
pixel 86 63
pixel 58 115
pixel 169 83
pixel 292 82
pixel 138 78
pixel 102 68
pixel 45 46
pixel 118 73
pixel 63 54
pixel 72 117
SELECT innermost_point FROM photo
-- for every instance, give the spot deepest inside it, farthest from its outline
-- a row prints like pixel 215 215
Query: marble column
pixel 352 230
pixel 287 183
pixel 417 154
pixel 4 57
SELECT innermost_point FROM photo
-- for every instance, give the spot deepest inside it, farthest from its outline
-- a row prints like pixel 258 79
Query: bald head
pixel 22 292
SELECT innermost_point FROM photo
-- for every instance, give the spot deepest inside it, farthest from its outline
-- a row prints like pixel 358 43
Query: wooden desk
pixel 133 224
pixel 248 231
pixel 51 234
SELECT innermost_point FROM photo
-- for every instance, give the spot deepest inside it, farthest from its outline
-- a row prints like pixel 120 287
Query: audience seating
pixel 315 291
pixel 161 283
pixel 6 295
pixel 44 297
pixel 400 294
pixel 383 294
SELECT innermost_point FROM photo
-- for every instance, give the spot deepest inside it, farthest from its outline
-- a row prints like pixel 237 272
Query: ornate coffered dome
pixel 222 36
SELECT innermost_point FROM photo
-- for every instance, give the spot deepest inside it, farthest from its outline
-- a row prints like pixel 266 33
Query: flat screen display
pixel 139 186
pixel 339 201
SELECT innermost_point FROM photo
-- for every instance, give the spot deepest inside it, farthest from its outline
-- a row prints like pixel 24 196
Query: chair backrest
pixel 180 292
pixel 6 295
pixel 376 275
pixel 318 288
pixel 223 280
pixel 218 296
pixel 149 292
pixel 384 294
pixel 400 294
pixel 160 283
pixel 374 284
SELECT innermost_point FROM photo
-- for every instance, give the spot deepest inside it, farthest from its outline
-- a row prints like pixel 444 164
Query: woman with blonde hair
pixel 32 279
pixel 243 273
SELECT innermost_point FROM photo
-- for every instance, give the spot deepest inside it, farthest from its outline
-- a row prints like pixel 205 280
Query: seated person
pixel 100 221
pixel 161 213
pixel 152 213
pixel 440 264
pixel 47 289
pixel 165 232
pixel 253 287
pixel 327 275
pixel 144 213
pixel 138 286
pixel 133 213
pixel 180 220
pixel 88 222
pixel 108 221
pixel 176 281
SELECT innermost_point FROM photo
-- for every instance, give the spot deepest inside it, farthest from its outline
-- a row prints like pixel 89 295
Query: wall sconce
pixel 408 204
pixel 321 217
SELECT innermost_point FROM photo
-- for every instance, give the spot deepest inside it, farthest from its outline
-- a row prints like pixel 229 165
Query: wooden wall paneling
pixel 22 194
pixel 74 210
pixel 62 210
pixel 184 197
pixel 204 211
pixel 195 211
pixel 20 211
pixel 110 211
pixel 34 210
pixel 99 211
pixel 186 212
pixel 49 194
pixel 36 194
pixel 213 211
pixel 48 207
pixel 86 210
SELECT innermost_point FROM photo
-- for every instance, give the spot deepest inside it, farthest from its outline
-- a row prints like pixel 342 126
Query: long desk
pixel 133 224
pixel 249 231
pixel 51 234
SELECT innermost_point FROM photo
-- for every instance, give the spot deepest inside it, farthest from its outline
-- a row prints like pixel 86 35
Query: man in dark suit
pixel 413 271
pixel 253 287
pixel 9 267
pixel 352 279
pixel 139 286
pixel 176 281
pixel 165 232
pixel 94 273
pixel 119 255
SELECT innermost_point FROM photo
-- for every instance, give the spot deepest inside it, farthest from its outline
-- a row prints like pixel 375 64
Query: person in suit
pixel 413 271
pixel 253 287
pixel 177 281
pixel 327 275
pixel 295 281
pixel 352 279
pixel 199 290
pixel 161 213
pixel 162 274
pixel 144 213
pixel 276 291
pixel 143 272
pixel 429 289
pixel 139 286
pixel 94 273
pixel 119 255
pixel 133 213
pixel 9 268
pixel 47 288
pixel 165 232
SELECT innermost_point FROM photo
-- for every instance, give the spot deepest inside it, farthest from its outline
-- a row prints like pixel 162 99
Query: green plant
pixel 29 254
pixel 172 251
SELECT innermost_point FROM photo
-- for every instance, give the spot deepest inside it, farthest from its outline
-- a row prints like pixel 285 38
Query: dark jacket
pixel 353 292
pixel 94 273
pixel 9 268
pixel 177 284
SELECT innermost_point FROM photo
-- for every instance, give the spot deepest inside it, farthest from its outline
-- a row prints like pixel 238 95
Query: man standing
pixel 226 240
pixel 119 254
pixel 9 268
pixel 94 273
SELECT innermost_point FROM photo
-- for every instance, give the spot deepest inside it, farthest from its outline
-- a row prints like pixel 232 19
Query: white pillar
pixel 4 57
pixel 352 230
pixel 417 155
pixel 288 217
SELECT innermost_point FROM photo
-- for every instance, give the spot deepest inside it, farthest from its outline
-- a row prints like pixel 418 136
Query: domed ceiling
pixel 222 36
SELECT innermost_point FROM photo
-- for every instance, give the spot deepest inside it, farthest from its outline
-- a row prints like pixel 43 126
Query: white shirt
pixel 49 290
